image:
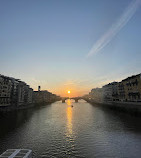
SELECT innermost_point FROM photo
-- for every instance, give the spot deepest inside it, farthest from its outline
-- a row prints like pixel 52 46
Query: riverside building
pixel 5 90
pixel 25 94
pixel 110 92
pixel 129 89
pixel 96 94
pixel 43 96
pixel 14 92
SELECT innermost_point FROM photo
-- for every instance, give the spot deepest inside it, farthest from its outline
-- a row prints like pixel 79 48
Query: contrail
pixel 115 28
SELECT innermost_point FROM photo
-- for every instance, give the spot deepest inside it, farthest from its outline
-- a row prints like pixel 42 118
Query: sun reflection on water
pixel 69 118
pixel 69 122
pixel 69 102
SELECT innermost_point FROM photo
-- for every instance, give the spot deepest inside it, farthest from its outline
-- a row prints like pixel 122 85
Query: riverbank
pixel 128 107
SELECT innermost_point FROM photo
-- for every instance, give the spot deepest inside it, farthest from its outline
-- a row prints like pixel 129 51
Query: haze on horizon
pixel 45 42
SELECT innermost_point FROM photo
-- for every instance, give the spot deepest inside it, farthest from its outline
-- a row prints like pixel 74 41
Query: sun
pixel 68 91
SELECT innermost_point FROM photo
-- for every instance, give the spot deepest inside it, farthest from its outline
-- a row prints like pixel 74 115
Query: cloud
pixel 116 27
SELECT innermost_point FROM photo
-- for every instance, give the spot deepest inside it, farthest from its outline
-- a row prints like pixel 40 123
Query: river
pixel 84 130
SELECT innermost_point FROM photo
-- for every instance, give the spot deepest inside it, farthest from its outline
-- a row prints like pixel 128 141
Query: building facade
pixel 14 92
pixel 129 89
pixel 96 94
pixel 43 96
pixel 5 90
pixel 110 92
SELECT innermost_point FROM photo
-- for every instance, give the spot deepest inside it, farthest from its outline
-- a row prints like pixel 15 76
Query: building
pixel 30 96
pixel 129 89
pixel 96 94
pixel 43 96
pixel 14 92
pixel 121 91
pixel 25 94
pixel 110 92
pixel 5 90
pixel 21 94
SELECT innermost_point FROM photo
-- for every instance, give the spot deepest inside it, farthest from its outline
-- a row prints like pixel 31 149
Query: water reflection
pixel 69 118
pixel 69 102
pixel 59 130
pixel 12 120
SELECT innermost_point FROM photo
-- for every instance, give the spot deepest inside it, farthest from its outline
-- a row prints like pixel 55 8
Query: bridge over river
pixel 74 98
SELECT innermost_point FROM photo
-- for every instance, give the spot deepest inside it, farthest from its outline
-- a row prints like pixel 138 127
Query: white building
pixel 110 92
pixel 96 94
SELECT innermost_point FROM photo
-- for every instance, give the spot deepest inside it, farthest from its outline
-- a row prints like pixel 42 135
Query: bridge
pixel 74 98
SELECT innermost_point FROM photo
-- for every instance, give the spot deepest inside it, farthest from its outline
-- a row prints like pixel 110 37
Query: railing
pixel 15 153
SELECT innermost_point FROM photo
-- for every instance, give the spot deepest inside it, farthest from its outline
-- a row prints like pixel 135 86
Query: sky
pixel 71 45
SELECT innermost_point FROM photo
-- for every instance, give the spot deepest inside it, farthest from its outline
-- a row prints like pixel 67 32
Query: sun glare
pixel 68 91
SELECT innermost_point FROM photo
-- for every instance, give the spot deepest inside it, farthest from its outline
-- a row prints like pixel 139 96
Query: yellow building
pixel 129 89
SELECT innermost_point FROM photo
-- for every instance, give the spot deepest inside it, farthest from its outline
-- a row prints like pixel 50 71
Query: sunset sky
pixel 71 45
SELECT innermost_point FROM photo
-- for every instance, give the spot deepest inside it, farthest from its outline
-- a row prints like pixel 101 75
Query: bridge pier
pixel 63 101
pixel 76 100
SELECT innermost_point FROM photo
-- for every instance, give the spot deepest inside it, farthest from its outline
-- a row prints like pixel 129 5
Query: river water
pixel 84 130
